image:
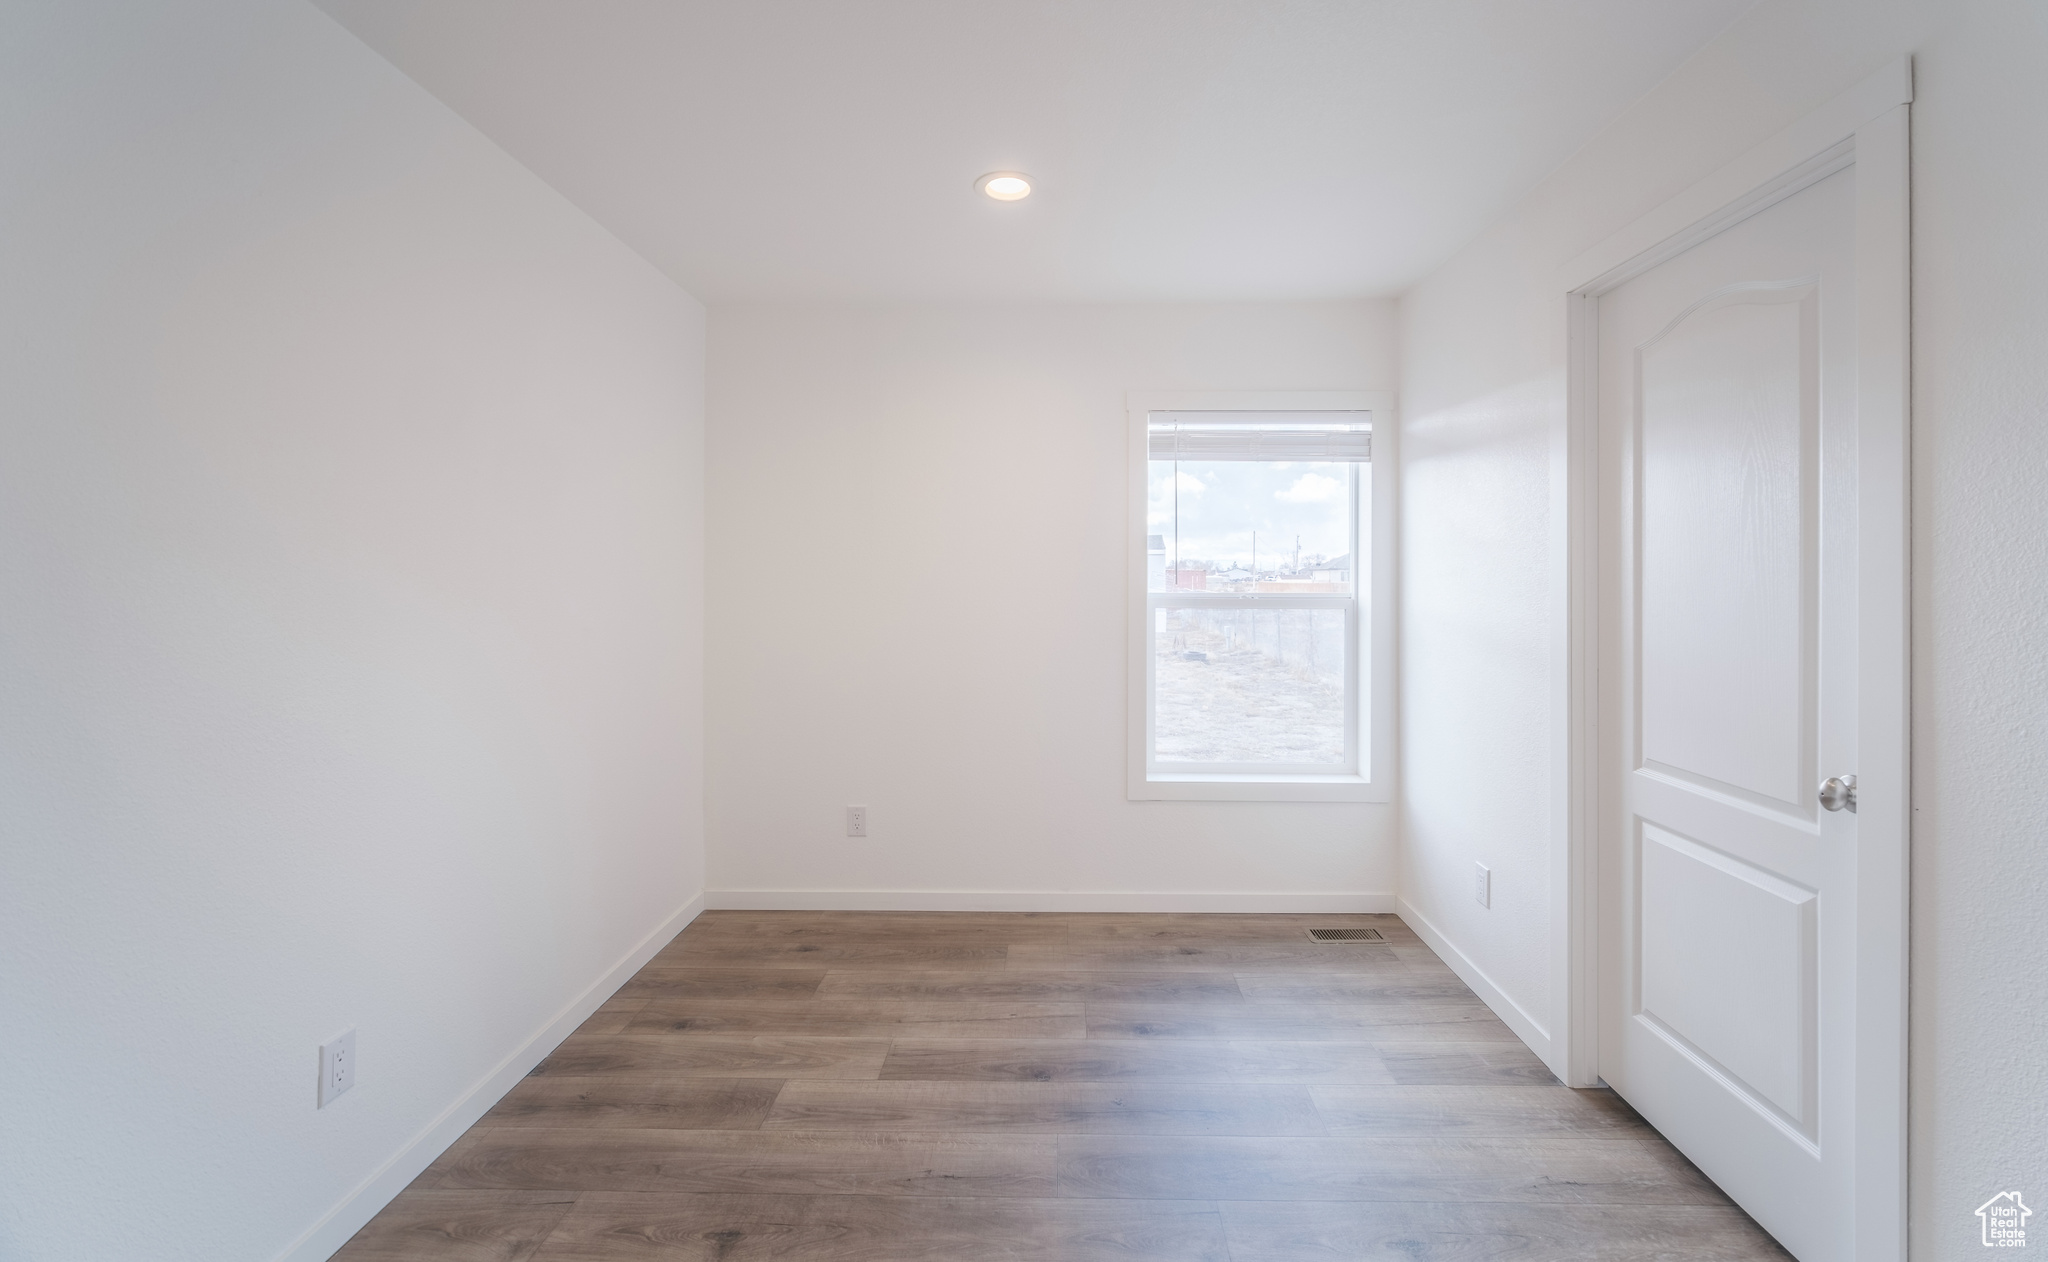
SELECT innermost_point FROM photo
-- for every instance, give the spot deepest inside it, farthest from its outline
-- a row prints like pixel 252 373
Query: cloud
pixel 1310 488
pixel 1189 483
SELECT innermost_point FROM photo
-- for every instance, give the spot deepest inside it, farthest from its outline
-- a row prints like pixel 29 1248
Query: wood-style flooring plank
pixel 1321 1023
pixel 1269 1231
pixel 1057 1060
pixel 1385 987
pixel 1310 1064
pixel 1045 986
pixel 787 926
pixel 860 1019
pixel 1269 924
pixel 840 955
pixel 1450 1064
pixel 1071 1108
pixel 626 1227
pixel 1215 956
pixel 436 1226
pixel 661 1055
pixel 637 1100
pixel 1202 1167
pixel 662 981
pixel 754 1162
pixel 1488 1112
pixel 1134 1060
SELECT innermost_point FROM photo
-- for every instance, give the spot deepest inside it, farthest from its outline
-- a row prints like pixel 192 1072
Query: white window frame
pixel 1371 659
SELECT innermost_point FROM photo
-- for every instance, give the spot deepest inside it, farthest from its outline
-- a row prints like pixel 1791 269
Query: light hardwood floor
pixel 895 1087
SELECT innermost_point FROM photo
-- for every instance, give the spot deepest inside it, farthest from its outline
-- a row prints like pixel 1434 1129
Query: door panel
pixel 1727 462
pixel 1728 969
pixel 1726 420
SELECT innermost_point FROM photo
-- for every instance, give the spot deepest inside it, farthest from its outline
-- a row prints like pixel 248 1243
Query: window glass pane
pixel 1249 686
pixel 1275 526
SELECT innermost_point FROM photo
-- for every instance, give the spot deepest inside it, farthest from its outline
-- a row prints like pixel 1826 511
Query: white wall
pixel 916 577
pixel 350 531
pixel 1483 373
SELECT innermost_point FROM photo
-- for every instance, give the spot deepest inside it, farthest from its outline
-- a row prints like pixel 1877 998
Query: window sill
pixel 1254 788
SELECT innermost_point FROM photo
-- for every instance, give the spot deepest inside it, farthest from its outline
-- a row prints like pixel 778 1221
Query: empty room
pixel 935 630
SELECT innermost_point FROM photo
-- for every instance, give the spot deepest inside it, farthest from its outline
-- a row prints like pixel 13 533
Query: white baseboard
pixel 323 1238
pixel 1040 900
pixel 1525 1026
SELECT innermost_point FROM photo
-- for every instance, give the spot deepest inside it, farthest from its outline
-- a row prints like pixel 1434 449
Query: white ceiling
pixel 1205 149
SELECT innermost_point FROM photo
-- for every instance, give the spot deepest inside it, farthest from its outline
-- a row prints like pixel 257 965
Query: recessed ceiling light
pixel 1004 186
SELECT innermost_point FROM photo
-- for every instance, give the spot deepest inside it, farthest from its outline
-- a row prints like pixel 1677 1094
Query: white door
pixel 1728 694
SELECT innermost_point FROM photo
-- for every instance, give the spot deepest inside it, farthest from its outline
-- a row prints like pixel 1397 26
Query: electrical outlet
pixel 856 821
pixel 1482 884
pixel 337 1067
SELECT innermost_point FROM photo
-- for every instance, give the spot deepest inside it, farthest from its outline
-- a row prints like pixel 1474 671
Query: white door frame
pixel 1866 127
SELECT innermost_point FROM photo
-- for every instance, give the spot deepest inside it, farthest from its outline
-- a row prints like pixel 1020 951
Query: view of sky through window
pixel 1250 519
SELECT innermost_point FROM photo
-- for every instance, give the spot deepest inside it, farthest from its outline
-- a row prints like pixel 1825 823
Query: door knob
pixel 1837 792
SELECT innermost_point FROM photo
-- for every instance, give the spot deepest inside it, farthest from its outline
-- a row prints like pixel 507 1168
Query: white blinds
pixel 1332 436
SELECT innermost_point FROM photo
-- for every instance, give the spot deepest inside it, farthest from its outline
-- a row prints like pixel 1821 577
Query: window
pixel 1254 663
